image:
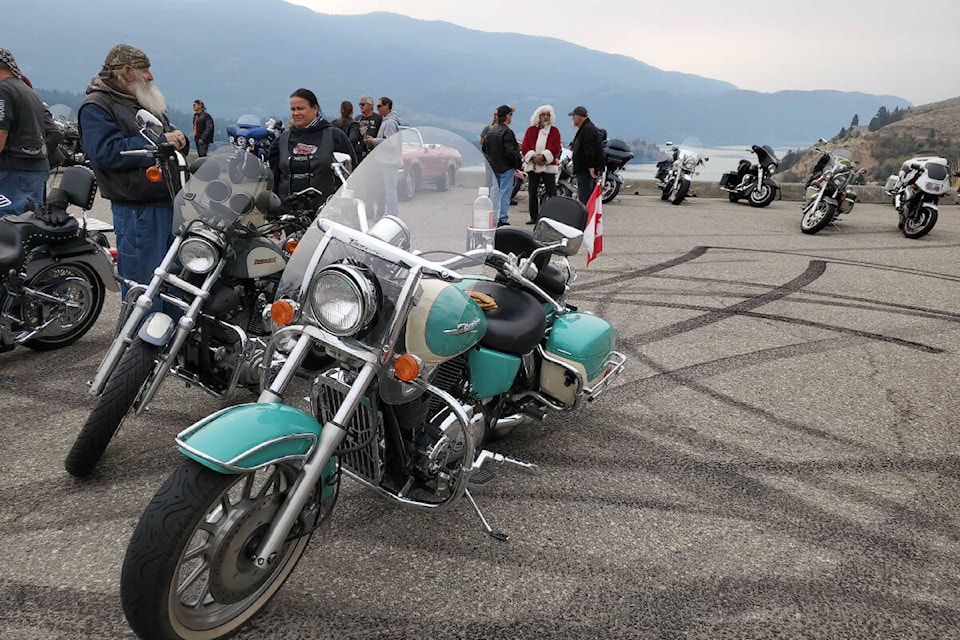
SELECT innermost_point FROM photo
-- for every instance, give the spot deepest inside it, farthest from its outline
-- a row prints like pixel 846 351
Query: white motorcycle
pixel 673 177
pixel 916 192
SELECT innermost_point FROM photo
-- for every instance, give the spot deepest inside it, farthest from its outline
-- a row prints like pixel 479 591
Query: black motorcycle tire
pixel 762 195
pixel 611 188
pixel 113 405
pixel 816 220
pixel 916 225
pixel 187 515
pixel 564 190
pixel 665 192
pixel 733 197
pixel 56 279
pixel 677 196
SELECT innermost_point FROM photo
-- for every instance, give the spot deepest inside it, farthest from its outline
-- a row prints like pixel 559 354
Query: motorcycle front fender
pixel 770 182
pixel 249 436
pixel 614 178
pixel 157 329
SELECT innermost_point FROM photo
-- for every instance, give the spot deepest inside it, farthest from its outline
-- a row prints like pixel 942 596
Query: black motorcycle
pixel 215 281
pixel 616 156
pixel 753 180
pixel 54 269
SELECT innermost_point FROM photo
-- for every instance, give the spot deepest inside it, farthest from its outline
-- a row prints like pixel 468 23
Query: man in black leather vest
pixel 142 210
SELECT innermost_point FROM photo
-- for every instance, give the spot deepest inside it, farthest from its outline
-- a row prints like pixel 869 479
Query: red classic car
pixel 425 163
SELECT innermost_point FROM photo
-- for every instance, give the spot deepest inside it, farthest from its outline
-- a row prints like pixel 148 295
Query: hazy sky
pixel 875 46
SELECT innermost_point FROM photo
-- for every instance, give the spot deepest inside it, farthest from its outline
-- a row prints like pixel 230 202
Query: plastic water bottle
pixel 481 230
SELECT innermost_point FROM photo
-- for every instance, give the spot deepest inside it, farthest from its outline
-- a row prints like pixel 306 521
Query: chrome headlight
pixel 771 169
pixel 690 163
pixel 241 141
pixel 344 299
pixel 198 255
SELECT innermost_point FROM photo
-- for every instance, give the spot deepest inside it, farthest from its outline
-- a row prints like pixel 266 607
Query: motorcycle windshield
pixel 227 191
pixel 841 158
pixel 437 174
pixel 766 155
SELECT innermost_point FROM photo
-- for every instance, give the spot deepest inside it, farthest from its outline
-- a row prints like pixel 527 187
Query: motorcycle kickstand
pixel 496 535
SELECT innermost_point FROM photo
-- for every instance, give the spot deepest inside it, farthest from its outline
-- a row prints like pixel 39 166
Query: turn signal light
pixel 154 174
pixel 291 245
pixel 407 367
pixel 282 312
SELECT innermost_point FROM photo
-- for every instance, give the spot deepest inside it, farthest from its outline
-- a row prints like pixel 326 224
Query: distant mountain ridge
pixel 248 55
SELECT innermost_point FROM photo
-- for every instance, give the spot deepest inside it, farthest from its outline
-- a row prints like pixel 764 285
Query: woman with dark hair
pixel 349 126
pixel 303 154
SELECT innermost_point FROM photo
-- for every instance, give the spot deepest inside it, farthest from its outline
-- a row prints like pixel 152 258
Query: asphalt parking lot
pixel 781 459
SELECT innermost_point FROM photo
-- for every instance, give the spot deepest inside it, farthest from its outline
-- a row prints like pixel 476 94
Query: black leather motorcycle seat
pixel 21 234
pixel 516 325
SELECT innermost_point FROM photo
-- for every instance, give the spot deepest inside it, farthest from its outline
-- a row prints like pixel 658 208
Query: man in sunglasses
pixel 369 122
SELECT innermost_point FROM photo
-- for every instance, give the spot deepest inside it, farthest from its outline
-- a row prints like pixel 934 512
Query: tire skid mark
pixel 814 270
pixel 877 337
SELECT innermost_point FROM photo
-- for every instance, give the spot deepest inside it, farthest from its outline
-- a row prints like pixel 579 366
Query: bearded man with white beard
pixel 142 210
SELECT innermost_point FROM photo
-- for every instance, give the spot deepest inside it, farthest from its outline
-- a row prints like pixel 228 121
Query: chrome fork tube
pixel 330 438
pixel 141 308
pixel 184 326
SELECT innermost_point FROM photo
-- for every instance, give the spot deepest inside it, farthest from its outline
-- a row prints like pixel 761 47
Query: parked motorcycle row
pixel 422 340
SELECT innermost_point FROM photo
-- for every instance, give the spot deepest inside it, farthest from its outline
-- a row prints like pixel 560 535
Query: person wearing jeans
pixel 503 153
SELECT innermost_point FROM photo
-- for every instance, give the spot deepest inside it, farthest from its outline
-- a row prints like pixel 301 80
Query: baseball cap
pixel 579 111
pixel 504 109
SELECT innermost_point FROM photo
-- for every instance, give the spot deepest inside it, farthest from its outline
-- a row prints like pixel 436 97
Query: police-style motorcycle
pixel 916 191
pixel 829 193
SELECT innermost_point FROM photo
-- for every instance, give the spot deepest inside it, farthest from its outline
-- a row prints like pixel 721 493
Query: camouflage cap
pixel 6 58
pixel 123 55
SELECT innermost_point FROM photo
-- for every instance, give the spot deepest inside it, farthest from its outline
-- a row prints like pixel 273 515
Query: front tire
pixel 816 218
pixel 610 190
pixel 75 282
pixel 187 572
pixel 762 195
pixel 680 192
pixel 113 405
pixel 919 224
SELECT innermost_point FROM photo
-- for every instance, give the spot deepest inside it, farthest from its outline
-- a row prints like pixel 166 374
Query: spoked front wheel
pixel 188 573
pixel 815 218
pixel 919 223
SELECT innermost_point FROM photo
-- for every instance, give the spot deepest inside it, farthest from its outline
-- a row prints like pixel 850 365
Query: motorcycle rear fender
pixel 157 329
pixel 98 259
pixel 249 436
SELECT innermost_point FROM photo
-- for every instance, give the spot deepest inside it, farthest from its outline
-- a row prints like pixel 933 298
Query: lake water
pixel 722 159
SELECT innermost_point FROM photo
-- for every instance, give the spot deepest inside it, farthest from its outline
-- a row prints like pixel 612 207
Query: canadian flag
pixel 593 234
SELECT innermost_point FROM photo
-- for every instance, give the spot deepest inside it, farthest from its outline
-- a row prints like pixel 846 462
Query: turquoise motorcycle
pixel 427 356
